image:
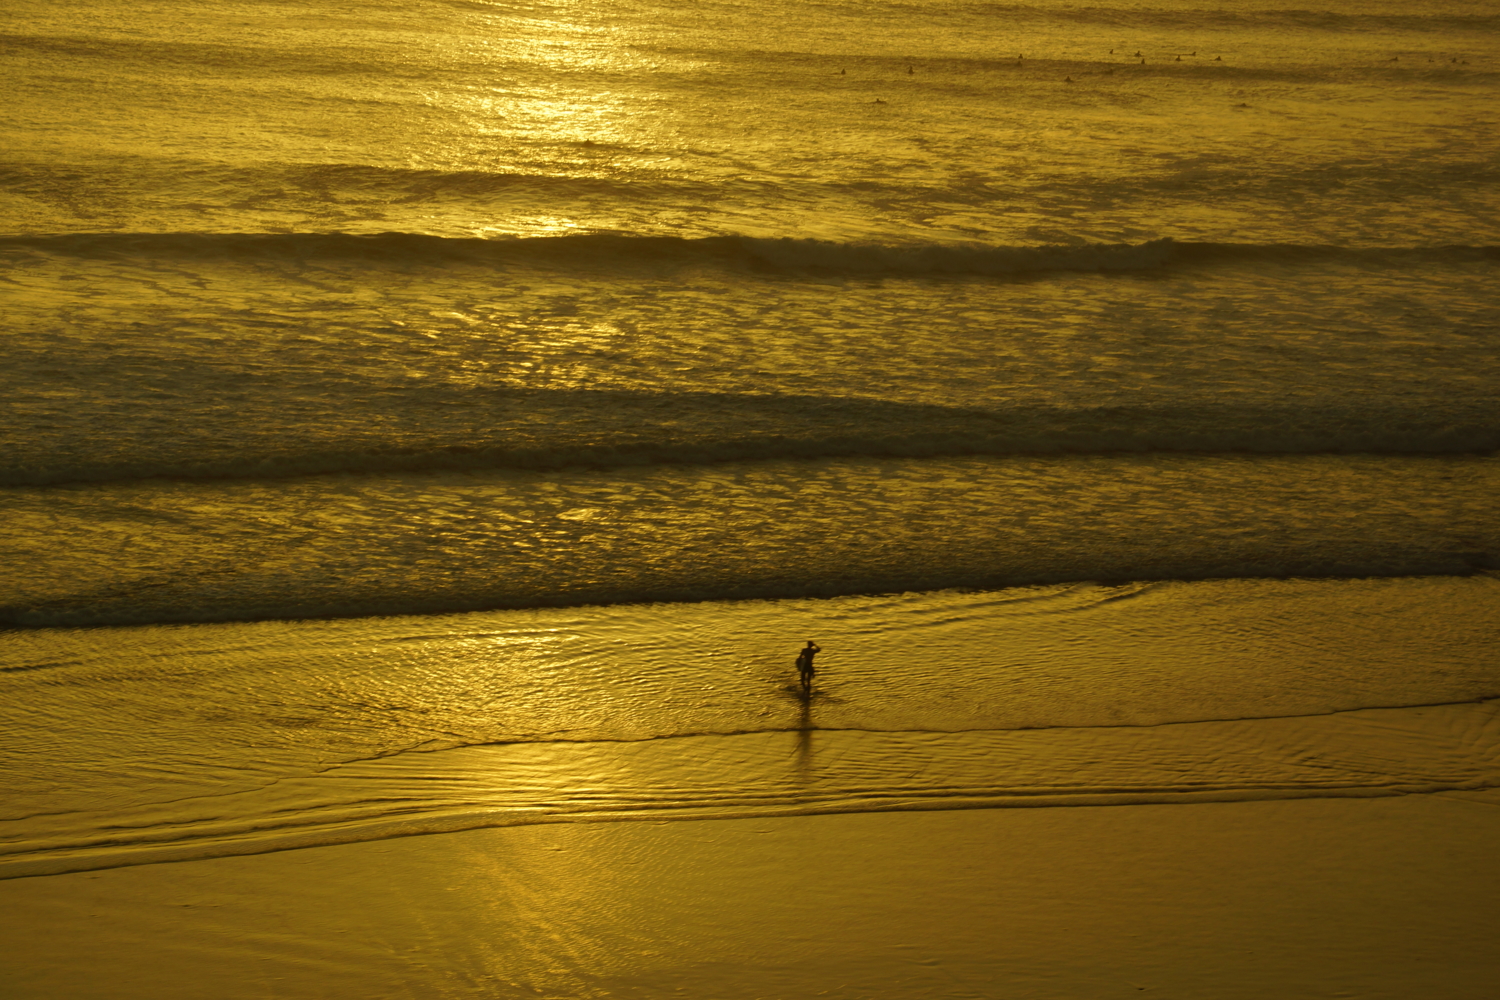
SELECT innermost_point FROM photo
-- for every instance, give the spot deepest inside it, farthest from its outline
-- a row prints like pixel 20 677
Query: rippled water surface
pixel 426 415
pixel 232 739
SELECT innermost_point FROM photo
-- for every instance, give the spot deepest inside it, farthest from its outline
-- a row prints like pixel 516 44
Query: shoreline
pixel 1484 567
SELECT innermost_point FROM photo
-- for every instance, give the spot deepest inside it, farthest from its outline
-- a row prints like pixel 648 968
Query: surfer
pixel 805 665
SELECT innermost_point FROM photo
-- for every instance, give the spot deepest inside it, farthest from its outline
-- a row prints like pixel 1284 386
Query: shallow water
pixel 183 742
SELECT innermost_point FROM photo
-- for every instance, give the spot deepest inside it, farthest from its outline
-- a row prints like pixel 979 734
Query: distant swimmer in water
pixel 805 669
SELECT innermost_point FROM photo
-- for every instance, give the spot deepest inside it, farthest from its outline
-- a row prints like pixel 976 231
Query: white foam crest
pixel 938 259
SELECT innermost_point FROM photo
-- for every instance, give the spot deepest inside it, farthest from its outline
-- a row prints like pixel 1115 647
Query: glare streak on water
pixel 1258 122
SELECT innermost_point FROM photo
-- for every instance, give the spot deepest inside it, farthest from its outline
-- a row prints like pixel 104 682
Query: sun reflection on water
pixel 560 97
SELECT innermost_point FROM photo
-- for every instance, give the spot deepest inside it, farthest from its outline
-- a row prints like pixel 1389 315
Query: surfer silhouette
pixel 805 665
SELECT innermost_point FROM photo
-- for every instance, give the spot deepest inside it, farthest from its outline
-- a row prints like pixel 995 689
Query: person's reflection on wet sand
pixel 804 730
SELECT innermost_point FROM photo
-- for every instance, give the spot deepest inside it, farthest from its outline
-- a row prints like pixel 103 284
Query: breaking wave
pixel 612 429
pixel 1289 17
pixel 604 249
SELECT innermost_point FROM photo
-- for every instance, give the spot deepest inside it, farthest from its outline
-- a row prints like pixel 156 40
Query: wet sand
pixel 1389 897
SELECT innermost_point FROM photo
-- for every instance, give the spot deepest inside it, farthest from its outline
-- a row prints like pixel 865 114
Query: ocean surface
pixel 429 414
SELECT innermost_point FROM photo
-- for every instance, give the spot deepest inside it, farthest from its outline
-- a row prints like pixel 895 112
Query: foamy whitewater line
pixel 89 611
pixel 606 249
pixel 1126 437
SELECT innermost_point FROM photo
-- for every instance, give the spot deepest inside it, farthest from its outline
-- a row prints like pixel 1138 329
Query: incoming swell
pixel 606 249
pixel 283 180
pixel 552 429
pixel 1277 17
